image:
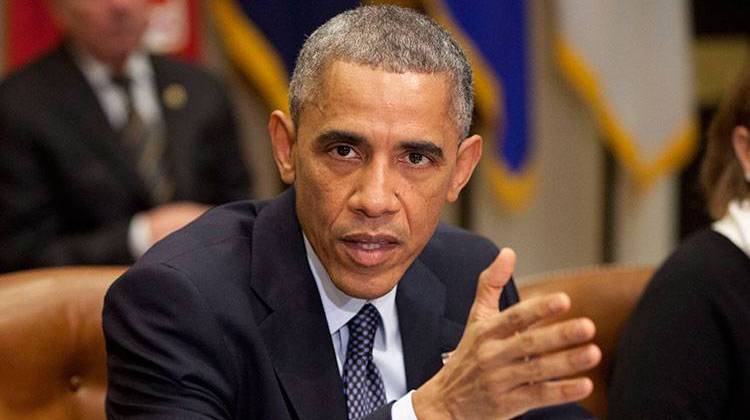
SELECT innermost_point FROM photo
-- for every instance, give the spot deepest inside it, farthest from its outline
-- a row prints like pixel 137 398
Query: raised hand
pixel 505 364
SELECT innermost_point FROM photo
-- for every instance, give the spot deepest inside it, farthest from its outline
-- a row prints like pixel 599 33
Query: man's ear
pixel 741 143
pixel 283 138
pixel 469 153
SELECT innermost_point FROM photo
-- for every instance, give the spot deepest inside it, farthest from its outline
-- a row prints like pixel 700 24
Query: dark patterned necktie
pixel 363 387
pixel 145 145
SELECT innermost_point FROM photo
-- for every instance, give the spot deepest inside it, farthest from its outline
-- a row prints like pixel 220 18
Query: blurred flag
pixel 263 37
pixel 174 29
pixel 629 61
pixel 494 33
pixel 30 31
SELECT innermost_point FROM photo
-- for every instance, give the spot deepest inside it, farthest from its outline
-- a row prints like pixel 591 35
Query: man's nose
pixel 376 193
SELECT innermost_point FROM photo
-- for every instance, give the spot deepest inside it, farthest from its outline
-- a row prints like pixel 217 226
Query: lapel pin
pixel 174 96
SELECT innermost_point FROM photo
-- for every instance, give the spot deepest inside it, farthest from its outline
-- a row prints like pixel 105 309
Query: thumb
pixel 490 285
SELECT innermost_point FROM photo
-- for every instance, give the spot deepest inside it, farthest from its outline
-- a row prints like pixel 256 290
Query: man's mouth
pixel 369 249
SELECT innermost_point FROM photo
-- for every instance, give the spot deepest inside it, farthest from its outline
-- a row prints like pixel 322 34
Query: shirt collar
pixel 99 74
pixel 735 225
pixel 339 307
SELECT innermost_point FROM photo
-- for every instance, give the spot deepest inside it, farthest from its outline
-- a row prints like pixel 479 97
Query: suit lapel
pixel 178 112
pixel 295 332
pixel 425 332
pixel 80 105
pixel 174 109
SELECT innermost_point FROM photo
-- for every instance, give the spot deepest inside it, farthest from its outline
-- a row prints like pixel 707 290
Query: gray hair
pixel 391 38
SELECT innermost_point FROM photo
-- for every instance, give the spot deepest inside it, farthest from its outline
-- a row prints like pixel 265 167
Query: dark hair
pixel 391 38
pixel 722 177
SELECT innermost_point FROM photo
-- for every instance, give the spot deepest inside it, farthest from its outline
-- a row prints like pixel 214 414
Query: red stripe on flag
pixel 192 50
pixel 31 31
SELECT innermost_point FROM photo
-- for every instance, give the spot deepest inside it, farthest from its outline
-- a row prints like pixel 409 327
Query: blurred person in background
pixel 105 149
pixel 686 350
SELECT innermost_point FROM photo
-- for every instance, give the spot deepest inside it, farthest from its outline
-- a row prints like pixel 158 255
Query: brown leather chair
pixel 606 295
pixel 52 356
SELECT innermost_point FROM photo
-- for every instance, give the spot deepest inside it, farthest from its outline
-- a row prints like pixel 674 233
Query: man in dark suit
pixel 344 297
pixel 105 149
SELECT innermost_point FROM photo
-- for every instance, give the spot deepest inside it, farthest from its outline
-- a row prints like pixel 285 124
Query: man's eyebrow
pixel 424 147
pixel 338 136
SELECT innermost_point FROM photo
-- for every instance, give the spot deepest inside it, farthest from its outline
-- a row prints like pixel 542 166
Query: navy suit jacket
pixel 223 320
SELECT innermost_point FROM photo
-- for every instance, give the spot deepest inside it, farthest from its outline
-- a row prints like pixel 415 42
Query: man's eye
pixel 418 159
pixel 344 151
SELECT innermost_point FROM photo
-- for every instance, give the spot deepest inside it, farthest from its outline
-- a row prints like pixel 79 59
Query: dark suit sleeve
pixel 383 413
pixel 166 355
pixel 509 296
pixel 32 225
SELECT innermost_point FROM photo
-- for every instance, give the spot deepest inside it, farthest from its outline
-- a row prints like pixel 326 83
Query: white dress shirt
pixel 114 102
pixel 112 98
pixel 387 352
pixel 735 225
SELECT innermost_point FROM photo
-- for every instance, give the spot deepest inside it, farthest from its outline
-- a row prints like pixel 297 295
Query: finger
pixel 522 315
pixel 546 367
pixel 543 394
pixel 541 340
pixel 490 285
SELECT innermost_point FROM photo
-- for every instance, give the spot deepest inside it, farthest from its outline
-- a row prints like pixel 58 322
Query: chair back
pixel 605 294
pixel 52 355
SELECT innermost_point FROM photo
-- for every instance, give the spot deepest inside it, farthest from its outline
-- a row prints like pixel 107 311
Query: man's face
pixel 107 29
pixel 376 156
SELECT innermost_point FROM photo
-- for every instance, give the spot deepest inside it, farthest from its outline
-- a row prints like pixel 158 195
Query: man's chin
pixel 366 282
pixel 368 291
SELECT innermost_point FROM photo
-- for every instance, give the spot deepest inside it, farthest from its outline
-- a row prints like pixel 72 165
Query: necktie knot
pixel 362 330
pixel 123 82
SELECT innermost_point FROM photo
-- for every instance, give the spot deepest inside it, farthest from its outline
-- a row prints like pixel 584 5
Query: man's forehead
pixel 353 91
pixel 334 70
pixel 349 81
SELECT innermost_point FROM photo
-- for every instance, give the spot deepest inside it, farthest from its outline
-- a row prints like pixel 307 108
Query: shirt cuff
pixel 139 235
pixel 403 409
